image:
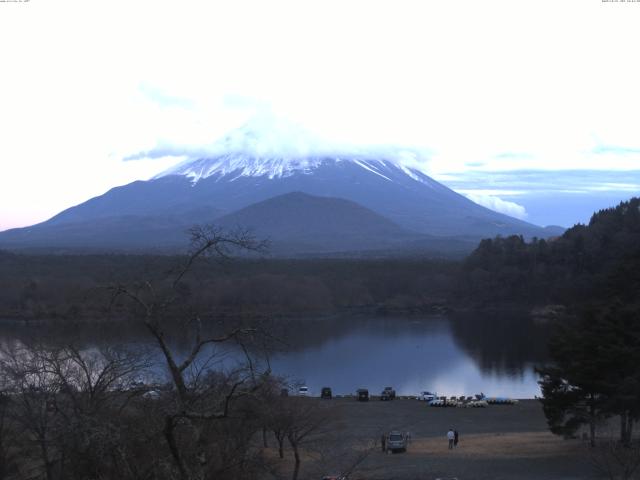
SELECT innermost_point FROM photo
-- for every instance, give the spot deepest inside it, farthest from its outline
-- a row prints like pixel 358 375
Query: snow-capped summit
pixel 237 164
pixel 274 148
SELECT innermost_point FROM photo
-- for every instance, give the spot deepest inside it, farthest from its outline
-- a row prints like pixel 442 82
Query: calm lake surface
pixel 455 355
pixel 435 354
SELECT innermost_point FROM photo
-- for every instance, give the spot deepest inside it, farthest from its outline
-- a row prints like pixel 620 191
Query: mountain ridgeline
pixel 594 263
pixel 305 206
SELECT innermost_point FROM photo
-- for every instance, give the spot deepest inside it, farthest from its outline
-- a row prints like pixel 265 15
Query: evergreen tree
pixel 594 373
pixel 572 386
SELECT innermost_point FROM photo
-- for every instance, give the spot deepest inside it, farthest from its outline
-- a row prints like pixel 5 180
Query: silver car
pixel 395 441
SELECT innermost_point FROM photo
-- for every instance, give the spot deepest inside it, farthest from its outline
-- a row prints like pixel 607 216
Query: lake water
pixel 413 355
pixel 461 355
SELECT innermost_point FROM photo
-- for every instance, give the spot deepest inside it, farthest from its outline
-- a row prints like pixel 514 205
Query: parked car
pixel 284 392
pixel 303 391
pixel 362 395
pixel 151 394
pixel 326 393
pixel 395 441
pixel 390 392
pixel 426 396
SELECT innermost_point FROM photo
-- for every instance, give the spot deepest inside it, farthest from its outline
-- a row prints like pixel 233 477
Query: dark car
pixel 362 395
pixel 388 394
pixel 326 393
pixel 284 392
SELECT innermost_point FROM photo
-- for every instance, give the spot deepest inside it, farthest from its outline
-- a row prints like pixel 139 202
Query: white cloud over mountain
pixel 498 205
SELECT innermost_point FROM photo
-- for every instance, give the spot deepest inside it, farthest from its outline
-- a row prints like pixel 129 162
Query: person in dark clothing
pixel 456 437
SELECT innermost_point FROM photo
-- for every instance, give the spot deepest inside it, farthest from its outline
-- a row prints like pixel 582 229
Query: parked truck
pixel 388 394
pixel 362 395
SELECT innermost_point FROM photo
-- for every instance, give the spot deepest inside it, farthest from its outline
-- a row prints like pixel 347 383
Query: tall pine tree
pixel 595 372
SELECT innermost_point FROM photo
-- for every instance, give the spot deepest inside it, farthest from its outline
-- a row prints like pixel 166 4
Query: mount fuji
pixel 306 198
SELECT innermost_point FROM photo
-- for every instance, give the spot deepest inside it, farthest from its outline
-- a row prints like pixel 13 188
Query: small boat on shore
pixel 501 401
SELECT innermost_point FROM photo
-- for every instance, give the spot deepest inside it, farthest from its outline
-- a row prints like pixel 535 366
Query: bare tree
pixel 306 419
pixel 308 426
pixel 92 378
pixel 197 398
pixel 34 394
pixel 277 418
pixel 8 440
pixel 80 413
pixel 616 460
pixel 347 455
pixel 69 403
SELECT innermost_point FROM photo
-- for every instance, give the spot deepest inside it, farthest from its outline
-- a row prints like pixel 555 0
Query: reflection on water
pixel 461 355
pixel 411 356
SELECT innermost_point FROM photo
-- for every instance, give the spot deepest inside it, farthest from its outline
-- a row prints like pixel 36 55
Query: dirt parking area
pixel 497 442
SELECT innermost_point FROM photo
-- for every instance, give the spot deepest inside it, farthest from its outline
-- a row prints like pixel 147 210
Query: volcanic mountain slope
pixel 240 173
pixel 406 196
pixel 297 223
pixel 134 233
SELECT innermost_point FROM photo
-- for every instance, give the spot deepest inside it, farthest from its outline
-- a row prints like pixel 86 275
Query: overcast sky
pixel 529 107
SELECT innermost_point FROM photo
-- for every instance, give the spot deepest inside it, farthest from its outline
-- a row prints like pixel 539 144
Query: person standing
pixel 456 436
pixel 451 437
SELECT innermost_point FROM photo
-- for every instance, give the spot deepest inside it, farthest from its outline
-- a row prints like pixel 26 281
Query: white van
pixel 426 396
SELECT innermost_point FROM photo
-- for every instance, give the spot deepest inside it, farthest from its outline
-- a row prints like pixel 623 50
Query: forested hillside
pixel 597 261
pixel 73 286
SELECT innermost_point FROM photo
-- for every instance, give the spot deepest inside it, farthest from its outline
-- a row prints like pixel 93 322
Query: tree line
pixel 68 287
pixel 588 262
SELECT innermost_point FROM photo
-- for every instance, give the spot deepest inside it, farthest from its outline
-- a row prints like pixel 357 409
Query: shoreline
pixel 374 310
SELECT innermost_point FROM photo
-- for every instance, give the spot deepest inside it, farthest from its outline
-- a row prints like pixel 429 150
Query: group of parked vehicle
pixel 462 401
pixel 362 394
pixel 431 398
pixel 476 401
